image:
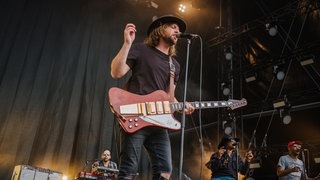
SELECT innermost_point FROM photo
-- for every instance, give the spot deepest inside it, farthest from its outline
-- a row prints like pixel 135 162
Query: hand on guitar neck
pixel 189 109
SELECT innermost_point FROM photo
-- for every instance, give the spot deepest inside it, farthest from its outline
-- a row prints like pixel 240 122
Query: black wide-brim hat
pixel 226 139
pixel 167 19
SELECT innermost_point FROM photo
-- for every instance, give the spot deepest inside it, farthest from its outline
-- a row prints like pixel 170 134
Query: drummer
pixel 105 162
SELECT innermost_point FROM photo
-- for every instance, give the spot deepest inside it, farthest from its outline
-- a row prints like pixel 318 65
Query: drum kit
pixel 102 173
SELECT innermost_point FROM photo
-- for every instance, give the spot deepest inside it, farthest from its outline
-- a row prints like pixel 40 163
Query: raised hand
pixel 129 33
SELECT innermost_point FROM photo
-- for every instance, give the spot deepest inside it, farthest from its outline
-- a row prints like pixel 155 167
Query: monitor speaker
pixel 26 172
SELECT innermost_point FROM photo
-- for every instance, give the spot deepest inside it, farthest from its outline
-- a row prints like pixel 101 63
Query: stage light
pixel 64 177
pixel 152 4
pixel 317 160
pixel 284 109
pixel 228 53
pixel 279 73
pixel 285 115
pixel 250 77
pixel 225 89
pixel 272 29
pixel 228 130
pixel 279 103
pixel 306 61
pixel 286 119
pixel 182 8
pixel 228 123
pixel 227 126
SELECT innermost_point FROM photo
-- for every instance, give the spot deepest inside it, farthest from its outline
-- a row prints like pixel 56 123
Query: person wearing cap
pixel 290 166
pixel 151 64
pixel 226 163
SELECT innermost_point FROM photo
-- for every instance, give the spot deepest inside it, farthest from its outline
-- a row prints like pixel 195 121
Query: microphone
pixel 236 143
pixel 187 36
pixel 91 160
pixel 300 150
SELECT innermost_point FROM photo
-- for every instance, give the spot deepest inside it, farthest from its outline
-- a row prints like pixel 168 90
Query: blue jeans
pixel 157 143
pixel 223 178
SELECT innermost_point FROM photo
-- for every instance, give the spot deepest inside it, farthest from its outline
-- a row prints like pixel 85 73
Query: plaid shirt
pixel 111 165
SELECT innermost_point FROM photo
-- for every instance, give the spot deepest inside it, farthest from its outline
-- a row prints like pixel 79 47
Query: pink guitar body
pixel 138 111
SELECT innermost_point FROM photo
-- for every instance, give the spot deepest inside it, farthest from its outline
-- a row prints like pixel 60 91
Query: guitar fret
pixel 198 105
pixel 180 106
pixel 175 106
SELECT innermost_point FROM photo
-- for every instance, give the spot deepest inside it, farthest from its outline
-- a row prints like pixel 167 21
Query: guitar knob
pixel 136 125
pixel 130 120
pixel 136 119
pixel 130 126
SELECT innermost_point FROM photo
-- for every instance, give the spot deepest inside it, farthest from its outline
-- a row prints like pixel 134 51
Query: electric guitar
pixel 138 111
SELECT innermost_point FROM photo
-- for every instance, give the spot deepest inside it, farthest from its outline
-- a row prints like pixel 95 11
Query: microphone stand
pixel 183 112
pixel 237 162
pixel 306 170
pixel 85 170
pixel 304 163
pixel 86 167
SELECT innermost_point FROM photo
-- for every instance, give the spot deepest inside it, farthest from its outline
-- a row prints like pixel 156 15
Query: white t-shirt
pixel 288 163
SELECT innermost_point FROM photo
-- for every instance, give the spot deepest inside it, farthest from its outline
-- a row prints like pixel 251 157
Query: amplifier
pixel 26 172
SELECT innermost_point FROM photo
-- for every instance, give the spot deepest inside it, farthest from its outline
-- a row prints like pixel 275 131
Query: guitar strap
pixel 171 85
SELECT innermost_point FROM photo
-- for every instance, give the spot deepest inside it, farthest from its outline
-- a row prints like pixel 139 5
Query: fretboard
pixel 202 105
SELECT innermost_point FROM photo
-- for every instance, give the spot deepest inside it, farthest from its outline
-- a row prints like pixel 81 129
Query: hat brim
pixel 167 19
pixel 226 139
pixel 291 143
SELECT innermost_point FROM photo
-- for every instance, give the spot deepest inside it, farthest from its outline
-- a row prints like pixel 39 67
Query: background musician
pixel 104 162
pixel 290 166
pixel 223 163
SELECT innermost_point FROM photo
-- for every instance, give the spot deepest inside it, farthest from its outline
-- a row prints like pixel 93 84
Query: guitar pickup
pixel 142 109
pixel 133 109
pixel 159 107
pixel 151 108
pixel 166 107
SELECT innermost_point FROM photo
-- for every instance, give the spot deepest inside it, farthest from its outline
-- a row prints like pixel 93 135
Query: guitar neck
pixel 203 105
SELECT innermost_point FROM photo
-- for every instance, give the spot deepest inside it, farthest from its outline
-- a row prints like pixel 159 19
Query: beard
pixel 170 40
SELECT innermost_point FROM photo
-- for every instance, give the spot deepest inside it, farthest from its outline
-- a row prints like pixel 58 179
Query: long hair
pixel 154 38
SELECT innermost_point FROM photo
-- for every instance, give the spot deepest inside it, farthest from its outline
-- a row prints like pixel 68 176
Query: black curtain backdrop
pixel 54 75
